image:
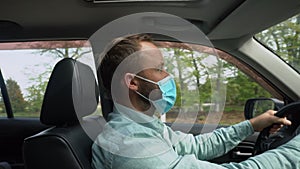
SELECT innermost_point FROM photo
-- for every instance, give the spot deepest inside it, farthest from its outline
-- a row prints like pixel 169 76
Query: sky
pixel 20 65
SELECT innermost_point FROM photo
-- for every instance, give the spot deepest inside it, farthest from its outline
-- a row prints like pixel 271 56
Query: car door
pixel 13 130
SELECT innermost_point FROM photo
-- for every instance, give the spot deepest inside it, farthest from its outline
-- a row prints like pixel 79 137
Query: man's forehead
pixel 150 55
pixel 151 60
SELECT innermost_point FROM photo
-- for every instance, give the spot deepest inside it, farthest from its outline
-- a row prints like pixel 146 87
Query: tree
pixel 2 106
pixel 66 49
pixel 18 103
pixel 284 39
pixel 199 71
pixel 241 88
pixel 36 92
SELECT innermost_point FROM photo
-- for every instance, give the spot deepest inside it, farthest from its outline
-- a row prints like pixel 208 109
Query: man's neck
pixel 139 107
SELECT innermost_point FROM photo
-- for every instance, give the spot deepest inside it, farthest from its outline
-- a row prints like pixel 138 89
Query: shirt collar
pixel 138 117
pixel 134 115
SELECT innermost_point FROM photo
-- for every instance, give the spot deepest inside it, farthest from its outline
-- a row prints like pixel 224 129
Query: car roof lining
pixel 239 24
pixel 49 19
pixel 227 21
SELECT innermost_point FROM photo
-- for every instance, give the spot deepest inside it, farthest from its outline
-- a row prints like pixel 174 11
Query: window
pixel 26 68
pixel 2 106
pixel 284 40
pixel 203 75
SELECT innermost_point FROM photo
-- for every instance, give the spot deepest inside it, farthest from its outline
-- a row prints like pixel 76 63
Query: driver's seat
pixel 71 94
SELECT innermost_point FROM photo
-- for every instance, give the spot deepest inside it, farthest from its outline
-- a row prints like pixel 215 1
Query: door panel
pixel 12 133
pixel 240 153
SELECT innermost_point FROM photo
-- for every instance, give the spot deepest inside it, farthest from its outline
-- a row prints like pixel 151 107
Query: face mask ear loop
pixel 143 96
pixel 147 80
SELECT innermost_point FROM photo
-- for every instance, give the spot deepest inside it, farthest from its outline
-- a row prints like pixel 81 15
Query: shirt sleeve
pixel 211 145
pixel 285 156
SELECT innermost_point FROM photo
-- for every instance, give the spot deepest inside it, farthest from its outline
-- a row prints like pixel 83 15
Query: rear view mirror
pixel 257 106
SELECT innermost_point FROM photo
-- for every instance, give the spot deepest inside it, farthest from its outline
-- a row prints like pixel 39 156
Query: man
pixel 132 73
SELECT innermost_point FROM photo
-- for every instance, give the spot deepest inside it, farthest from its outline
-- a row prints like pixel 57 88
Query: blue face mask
pixel 167 87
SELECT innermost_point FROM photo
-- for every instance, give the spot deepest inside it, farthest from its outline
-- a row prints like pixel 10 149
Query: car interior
pixel 68 137
pixel 58 138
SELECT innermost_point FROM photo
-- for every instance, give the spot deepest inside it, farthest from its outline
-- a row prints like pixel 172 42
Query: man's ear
pixel 130 81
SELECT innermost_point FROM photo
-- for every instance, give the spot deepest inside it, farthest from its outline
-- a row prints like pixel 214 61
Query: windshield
pixel 284 40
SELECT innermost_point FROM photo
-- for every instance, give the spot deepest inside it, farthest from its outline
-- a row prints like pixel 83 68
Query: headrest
pixel 71 94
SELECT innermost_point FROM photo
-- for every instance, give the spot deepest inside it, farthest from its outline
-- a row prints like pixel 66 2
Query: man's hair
pixel 120 49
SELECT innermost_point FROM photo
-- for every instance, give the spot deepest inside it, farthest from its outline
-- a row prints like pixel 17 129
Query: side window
pixel 26 68
pixel 195 84
pixel 2 106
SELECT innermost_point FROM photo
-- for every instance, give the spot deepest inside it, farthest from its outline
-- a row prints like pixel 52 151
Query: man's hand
pixel 266 119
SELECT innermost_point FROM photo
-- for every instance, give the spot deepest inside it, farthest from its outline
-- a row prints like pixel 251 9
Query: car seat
pixel 4 165
pixel 71 94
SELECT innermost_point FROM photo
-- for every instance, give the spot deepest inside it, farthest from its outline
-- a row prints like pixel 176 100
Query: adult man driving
pixel 132 72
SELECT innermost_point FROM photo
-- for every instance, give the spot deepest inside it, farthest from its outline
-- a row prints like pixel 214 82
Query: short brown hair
pixel 121 49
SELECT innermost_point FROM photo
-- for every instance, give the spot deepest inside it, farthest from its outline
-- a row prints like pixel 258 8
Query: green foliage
pixel 18 103
pixel 36 93
pixel 178 96
pixel 189 71
pixel 2 106
pixel 196 81
pixel 39 82
pixel 240 88
pixel 284 39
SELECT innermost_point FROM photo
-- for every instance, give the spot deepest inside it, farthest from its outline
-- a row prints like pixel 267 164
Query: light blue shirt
pixel 132 140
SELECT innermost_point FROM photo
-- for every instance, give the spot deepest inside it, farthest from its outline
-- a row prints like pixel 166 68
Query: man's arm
pixel 285 156
pixel 210 145
pixel 219 142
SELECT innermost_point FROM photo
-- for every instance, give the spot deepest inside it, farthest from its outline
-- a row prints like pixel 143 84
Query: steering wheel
pixel 267 141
